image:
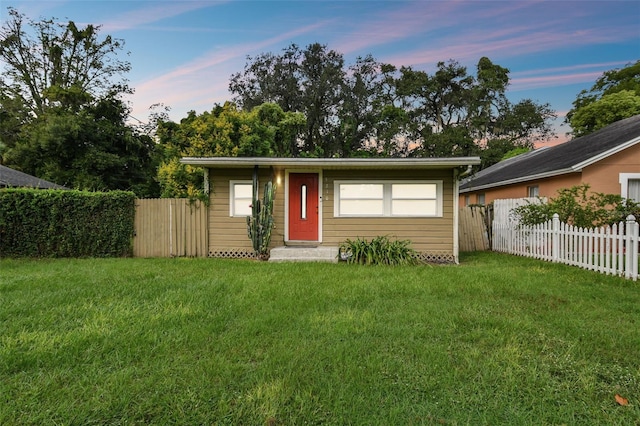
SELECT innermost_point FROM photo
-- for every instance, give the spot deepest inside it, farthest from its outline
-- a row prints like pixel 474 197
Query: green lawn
pixel 495 340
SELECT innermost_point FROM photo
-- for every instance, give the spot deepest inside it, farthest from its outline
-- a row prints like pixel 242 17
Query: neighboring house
pixel 608 160
pixel 323 202
pixel 10 178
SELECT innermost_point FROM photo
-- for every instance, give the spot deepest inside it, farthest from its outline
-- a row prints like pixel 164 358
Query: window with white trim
pixel 533 191
pixel 240 197
pixel 630 186
pixel 388 198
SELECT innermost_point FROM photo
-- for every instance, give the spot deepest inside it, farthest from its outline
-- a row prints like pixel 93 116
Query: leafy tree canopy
pixel 374 109
pixel 226 131
pixel 60 104
pixel 614 96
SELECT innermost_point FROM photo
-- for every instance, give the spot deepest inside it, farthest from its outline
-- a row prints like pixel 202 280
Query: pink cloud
pixel 198 82
pixel 154 13
pixel 520 83
pixel 599 66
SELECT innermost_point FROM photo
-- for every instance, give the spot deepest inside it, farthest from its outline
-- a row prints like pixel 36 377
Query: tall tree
pixel 370 108
pixel 453 113
pixel 614 96
pixel 314 81
pixel 63 116
pixel 50 64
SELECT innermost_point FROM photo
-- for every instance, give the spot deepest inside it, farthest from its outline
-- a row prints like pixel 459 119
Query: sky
pixel 183 53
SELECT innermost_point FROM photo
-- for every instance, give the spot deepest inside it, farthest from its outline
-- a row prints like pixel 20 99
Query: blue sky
pixel 183 52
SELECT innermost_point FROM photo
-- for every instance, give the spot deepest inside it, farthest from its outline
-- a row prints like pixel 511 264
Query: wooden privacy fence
pixel 472 229
pixel 170 227
pixel 608 250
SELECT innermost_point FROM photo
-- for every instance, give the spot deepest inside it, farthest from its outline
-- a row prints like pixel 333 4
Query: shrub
pixel 579 207
pixel 378 251
pixel 58 223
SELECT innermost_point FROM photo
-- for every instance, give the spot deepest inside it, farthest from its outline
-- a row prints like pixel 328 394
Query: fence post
pixel 631 248
pixel 555 237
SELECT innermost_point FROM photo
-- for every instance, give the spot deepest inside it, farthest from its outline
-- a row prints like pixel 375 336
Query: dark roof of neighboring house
pixel 568 157
pixel 13 178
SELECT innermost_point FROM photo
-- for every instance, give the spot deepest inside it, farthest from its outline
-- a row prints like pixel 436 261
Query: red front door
pixel 303 206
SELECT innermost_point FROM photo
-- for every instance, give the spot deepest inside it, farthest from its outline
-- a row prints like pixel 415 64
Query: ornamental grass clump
pixel 379 251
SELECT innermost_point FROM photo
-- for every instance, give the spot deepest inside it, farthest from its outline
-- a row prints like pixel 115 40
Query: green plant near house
pixel 579 207
pixel 260 223
pixel 379 251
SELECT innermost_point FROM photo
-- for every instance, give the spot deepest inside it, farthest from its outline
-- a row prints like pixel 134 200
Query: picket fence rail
pixel 611 250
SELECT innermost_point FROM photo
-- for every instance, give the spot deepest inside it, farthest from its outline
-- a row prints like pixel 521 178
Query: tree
pixel 374 109
pixel 453 113
pixel 606 110
pixel 92 149
pixel 61 65
pixel 614 96
pixel 306 81
pixel 63 118
pixel 226 131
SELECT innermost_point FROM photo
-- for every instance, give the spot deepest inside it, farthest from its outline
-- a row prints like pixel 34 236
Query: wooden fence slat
pixel 170 227
pixel 472 231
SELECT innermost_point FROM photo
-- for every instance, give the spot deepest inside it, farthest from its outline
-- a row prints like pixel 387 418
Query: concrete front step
pixel 304 254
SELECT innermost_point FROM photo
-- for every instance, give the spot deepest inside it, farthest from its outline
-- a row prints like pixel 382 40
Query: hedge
pixel 60 223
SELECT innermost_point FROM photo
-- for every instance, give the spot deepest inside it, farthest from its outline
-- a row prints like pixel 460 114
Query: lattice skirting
pixel 436 257
pixel 247 254
pixel 233 254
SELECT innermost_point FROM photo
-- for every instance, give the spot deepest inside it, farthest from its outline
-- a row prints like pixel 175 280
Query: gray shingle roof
pixel 13 178
pixel 568 157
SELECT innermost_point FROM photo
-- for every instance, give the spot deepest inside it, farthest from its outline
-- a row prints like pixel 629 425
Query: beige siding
pixel 428 235
pixel 229 234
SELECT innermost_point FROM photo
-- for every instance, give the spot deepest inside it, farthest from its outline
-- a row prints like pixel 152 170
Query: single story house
pixel 608 160
pixel 10 178
pixel 321 202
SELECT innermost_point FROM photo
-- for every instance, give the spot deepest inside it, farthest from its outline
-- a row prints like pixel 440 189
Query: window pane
pixel 242 190
pixel 413 190
pixel 634 190
pixel 241 207
pixel 361 207
pixel 359 191
pixel 414 207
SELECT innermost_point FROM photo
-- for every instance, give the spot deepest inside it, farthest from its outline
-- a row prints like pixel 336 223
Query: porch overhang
pixel 332 163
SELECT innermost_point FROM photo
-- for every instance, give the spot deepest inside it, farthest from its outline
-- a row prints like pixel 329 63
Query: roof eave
pixel 342 163
pixel 603 155
pixel 518 180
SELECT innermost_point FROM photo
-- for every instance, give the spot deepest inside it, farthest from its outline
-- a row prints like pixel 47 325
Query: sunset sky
pixel 183 52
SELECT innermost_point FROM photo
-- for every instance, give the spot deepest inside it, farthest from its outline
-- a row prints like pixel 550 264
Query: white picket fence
pixel 608 250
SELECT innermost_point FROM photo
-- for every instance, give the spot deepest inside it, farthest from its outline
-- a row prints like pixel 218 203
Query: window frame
pixel 387 197
pixel 624 179
pixel 232 196
pixel 531 189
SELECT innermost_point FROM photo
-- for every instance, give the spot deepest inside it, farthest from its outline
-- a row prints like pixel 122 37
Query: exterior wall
pixel 602 176
pixel 429 235
pixel 546 187
pixel 228 235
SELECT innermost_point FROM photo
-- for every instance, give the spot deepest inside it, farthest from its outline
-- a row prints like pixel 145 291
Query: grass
pixel 496 340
